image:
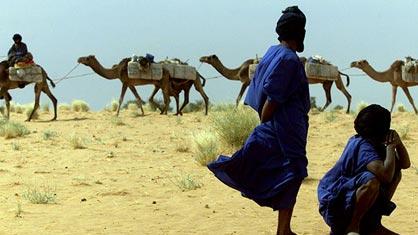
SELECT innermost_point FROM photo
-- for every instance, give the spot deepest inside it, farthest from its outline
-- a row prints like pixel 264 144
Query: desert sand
pixel 124 181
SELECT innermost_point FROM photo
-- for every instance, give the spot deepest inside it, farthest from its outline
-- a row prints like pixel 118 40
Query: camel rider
pixel 19 51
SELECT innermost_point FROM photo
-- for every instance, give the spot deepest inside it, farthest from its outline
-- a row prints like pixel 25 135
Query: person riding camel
pixel 19 51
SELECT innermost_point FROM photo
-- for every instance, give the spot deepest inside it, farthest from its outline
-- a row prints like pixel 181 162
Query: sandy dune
pixel 124 181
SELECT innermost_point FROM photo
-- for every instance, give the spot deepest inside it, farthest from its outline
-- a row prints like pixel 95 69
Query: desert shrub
pixel 48 134
pixel 361 106
pixel 40 195
pixel 45 108
pixel 11 130
pixel 19 108
pixel 234 127
pixel 16 146
pixel 403 132
pixel 401 108
pixel 223 107
pixel 313 102
pixel 330 116
pixel 338 108
pixel 187 182
pixel 206 147
pixel 77 142
pixel 80 106
pixel 64 107
pixel 194 106
pixel 28 112
pixel 117 121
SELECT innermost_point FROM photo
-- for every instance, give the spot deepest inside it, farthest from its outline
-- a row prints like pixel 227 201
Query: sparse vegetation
pixel 117 121
pixel 48 134
pixel 29 110
pixel 206 146
pixel 234 127
pixel 361 106
pixel 64 107
pixel 15 146
pixel 11 130
pixel 41 195
pixel 77 142
pixel 194 107
pixel 80 106
pixel 187 182
pixel 45 108
pixel 182 148
pixel 19 108
pixel 330 116
pixel 401 108
pixel 223 108
pixel 313 103
pixel 403 132
pixel 338 108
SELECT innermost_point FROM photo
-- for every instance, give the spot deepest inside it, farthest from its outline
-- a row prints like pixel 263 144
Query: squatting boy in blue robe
pixel 356 192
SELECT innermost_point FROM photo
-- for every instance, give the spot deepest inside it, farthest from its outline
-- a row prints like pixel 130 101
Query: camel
pixel 327 84
pixel 393 75
pixel 120 71
pixel 178 85
pixel 6 84
pixel 241 73
pixel 237 74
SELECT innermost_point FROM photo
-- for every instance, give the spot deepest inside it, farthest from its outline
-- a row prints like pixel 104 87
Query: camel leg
pixel 38 90
pixel 241 92
pixel 186 99
pixel 6 96
pixel 411 100
pixel 327 88
pixel 199 87
pixel 394 91
pixel 48 92
pixel 176 97
pixel 7 101
pixel 122 94
pixel 166 88
pixel 340 86
pixel 151 98
pixel 138 98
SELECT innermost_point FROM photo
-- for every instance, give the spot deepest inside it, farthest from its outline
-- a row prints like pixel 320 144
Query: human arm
pixel 11 52
pixel 384 170
pixel 403 161
pixel 268 110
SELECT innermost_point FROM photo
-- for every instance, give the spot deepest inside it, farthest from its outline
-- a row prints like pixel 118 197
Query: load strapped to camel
pixel 25 72
pixel 410 70
pixel 253 67
pixel 148 71
pixel 318 68
pixel 175 67
pixel 179 69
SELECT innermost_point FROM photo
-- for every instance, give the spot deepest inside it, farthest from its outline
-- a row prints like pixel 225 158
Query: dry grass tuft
pixel 187 182
pixel 40 195
pixel 11 130
pixel 206 147
pixel 77 142
pixel 80 106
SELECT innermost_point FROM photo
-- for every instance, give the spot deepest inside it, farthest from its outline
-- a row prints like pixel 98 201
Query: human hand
pixel 392 138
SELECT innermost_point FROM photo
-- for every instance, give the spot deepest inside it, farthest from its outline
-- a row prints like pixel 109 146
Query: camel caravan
pixel 172 76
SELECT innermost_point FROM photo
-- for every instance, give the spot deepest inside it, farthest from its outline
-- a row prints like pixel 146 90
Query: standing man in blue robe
pixel 271 165
pixel 357 191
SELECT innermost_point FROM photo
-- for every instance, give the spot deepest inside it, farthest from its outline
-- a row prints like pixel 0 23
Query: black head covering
pixel 17 37
pixel 291 26
pixel 373 122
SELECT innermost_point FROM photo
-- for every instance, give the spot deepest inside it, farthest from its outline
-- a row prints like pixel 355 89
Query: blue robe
pixel 271 165
pixel 337 189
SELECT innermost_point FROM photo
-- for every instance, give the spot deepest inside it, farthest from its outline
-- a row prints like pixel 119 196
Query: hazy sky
pixel 57 32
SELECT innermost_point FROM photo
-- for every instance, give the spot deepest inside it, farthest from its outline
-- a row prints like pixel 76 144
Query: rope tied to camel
pixel 66 75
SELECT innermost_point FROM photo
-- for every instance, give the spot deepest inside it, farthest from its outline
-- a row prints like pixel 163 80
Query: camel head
pixel 209 59
pixel 87 60
pixel 359 64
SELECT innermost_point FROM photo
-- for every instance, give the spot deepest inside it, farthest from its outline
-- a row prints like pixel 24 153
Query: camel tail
pixel 50 81
pixel 348 78
pixel 204 79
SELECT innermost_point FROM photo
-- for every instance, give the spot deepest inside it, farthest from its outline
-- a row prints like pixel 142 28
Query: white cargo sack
pixel 321 71
pixel 181 71
pixel 410 71
pixel 135 71
pixel 28 74
pixel 251 71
